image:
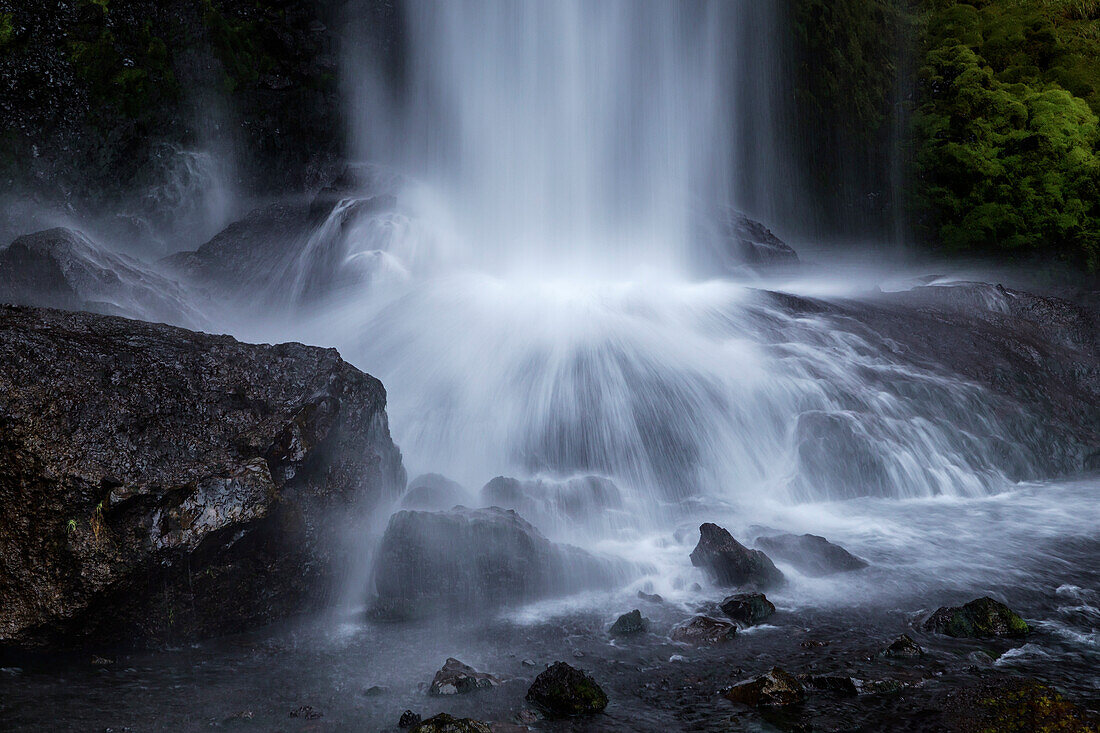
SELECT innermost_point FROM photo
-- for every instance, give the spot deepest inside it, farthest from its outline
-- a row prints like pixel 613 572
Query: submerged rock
pixel 630 623
pixel 160 484
pixel 470 559
pixel 980 618
pixel 703 631
pixel 836 685
pixel 774 688
pixel 903 647
pixel 811 554
pixel 748 609
pixel 456 678
pixel 561 691
pixel 444 723
pixel 730 563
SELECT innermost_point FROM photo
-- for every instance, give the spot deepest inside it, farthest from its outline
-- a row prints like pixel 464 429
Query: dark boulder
pixel 811 554
pixel 630 623
pixel 581 499
pixel 978 619
pixel 408 719
pixel 457 678
pixel 160 484
pixel 703 631
pixel 433 492
pixel 470 559
pixel 729 241
pixel 444 723
pixel 561 691
pixel 730 563
pixel 62 268
pixel 903 647
pixel 748 609
pixel 772 689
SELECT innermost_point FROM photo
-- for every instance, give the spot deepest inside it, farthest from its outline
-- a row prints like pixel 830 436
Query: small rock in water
pixel 811 554
pixel 748 609
pixel 703 631
pixel 730 563
pixel 374 691
pixel 458 678
pixel 408 719
pixel 630 623
pixel 981 618
pixel 775 688
pixel 812 643
pixel 307 712
pixel 101 661
pixel 444 723
pixel 562 690
pixel 903 647
pixel 578 654
pixel 651 597
pixel 528 663
pixel 831 684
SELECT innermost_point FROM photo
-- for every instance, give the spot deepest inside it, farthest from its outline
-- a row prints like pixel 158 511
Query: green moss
pixel 1033 708
pixel 7 29
pixel 984 618
pixel 240 47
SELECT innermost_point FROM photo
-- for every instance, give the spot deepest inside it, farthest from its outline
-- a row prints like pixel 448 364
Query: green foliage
pixel 239 45
pixel 7 29
pixel 1007 139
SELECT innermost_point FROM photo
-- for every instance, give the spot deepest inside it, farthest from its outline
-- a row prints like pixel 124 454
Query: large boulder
pixel 549 503
pixel 469 559
pixel 432 491
pixel 456 678
pixel 161 484
pixel 748 609
pixel 729 241
pixel 811 554
pixel 729 563
pixel 703 631
pixel 561 691
pixel 62 268
pixel 980 618
pixel 771 689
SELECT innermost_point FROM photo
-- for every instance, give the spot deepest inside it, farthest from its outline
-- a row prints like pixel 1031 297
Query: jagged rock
pixel 582 499
pixel 748 609
pixel 630 623
pixel 774 688
pixel 408 719
pixel 469 559
pixel 306 712
pixel 651 597
pixel 703 631
pixel 62 268
pixel 829 684
pixel 730 563
pixel 444 723
pixel 433 492
pixel 561 691
pixel 457 678
pixel 731 241
pixel 903 647
pixel 811 554
pixel 163 484
pixel 980 618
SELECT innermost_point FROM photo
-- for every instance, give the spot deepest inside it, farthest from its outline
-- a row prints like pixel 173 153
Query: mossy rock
pixel 563 691
pixel 444 723
pixel 980 619
pixel 1017 706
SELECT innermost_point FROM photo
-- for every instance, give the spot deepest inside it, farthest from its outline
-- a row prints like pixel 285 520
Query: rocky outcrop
pixel 980 618
pixel 562 691
pixel 161 484
pixel 730 563
pixel 811 554
pixel 433 492
pixel 62 268
pixel 774 688
pixel 729 241
pixel 456 678
pixel 748 609
pixel 474 559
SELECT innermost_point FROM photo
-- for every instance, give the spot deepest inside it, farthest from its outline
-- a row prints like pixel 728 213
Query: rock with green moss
pixel 1014 705
pixel 979 619
pixel 562 691
pixel 444 723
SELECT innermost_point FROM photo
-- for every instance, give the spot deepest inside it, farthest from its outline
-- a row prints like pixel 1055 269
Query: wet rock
pixel 728 240
pixel 730 563
pixel 444 723
pixel 838 458
pixel 903 647
pixel 703 631
pixel 562 691
pixel 475 559
pixel 811 554
pixel 456 678
pixel 774 688
pixel 651 597
pixel 62 268
pixel 1014 704
pixel 630 623
pixel 433 492
pixel 748 609
pixel 408 719
pixel 548 503
pixel 306 712
pixel 829 684
pixel 980 618
pixel 375 691
pixel 160 484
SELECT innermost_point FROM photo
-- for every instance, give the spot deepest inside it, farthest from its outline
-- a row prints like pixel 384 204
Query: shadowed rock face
pixel 811 554
pixel 730 563
pixel 161 484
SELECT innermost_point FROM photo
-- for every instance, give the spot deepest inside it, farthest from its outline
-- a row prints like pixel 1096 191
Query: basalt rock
pixel 730 563
pixel 774 688
pixel 630 623
pixel 457 678
pixel 748 609
pixel 160 484
pixel 811 554
pixel 444 723
pixel 474 559
pixel 980 618
pixel 703 631
pixel 562 691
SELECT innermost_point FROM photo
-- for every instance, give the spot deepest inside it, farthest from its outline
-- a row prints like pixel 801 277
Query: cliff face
pixel 160 484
